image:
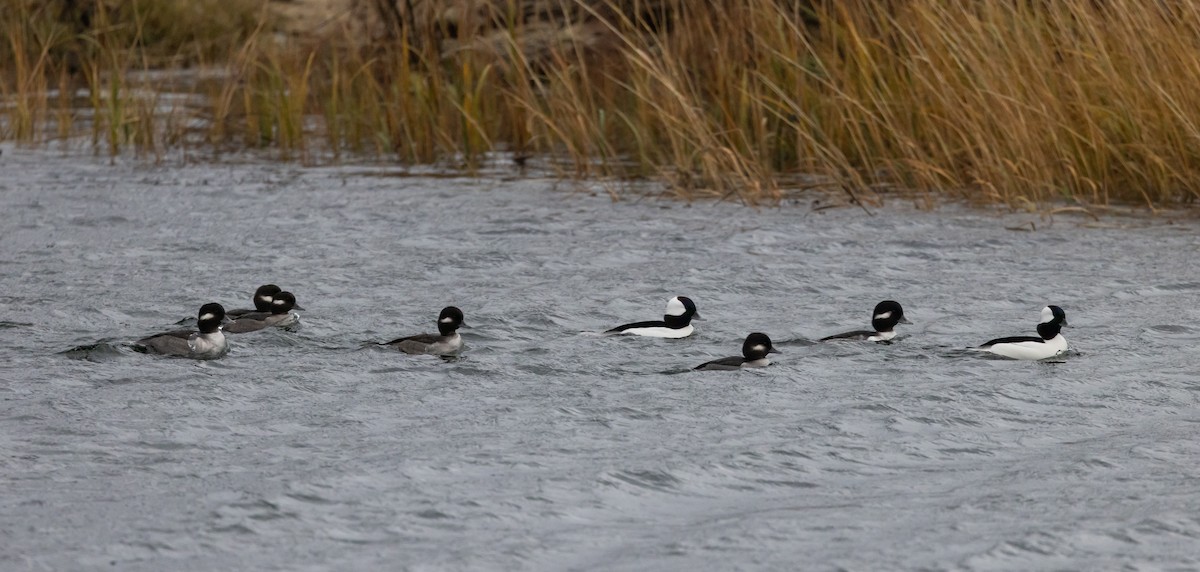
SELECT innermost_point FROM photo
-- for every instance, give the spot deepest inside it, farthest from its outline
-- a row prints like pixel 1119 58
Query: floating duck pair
pixel 272 308
pixel 677 323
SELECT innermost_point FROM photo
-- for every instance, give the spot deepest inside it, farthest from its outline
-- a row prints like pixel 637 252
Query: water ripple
pixel 547 446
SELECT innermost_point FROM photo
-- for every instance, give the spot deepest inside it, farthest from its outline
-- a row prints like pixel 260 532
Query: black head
pixel 210 317
pixel 264 296
pixel 1054 315
pixel 680 311
pixel 282 303
pixel 757 346
pixel 887 314
pixel 449 320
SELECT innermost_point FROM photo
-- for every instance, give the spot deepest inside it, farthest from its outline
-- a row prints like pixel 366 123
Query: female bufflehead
pixel 754 354
pixel 262 301
pixel 280 315
pixel 445 342
pixel 1048 343
pixel 887 314
pixel 208 343
pixel 676 323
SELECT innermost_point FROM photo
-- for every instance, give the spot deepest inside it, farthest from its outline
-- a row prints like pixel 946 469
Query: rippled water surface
pixel 546 447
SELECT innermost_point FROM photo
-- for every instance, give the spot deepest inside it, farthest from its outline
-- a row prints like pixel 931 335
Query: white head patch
pixel 1047 315
pixel 675 307
pixel 207 316
pixel 884 315
pixel 278 302
pixel 446 320
pixel 759 348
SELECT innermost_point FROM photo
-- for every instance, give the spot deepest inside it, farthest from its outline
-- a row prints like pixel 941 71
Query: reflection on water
pixel 546 446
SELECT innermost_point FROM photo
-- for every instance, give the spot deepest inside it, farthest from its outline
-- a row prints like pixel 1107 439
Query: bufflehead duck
pixel 279 316
pixel 1048 343
pixel 445 342
pixel 262 301
pixel 676 323
pixel 208 343
pixel 754 354
pixel 887 314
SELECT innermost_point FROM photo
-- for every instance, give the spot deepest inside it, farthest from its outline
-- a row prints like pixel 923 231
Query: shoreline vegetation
pixel 1016 102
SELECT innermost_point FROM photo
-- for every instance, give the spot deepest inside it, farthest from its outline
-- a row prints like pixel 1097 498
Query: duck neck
pixel 677 322
pixel 1047 330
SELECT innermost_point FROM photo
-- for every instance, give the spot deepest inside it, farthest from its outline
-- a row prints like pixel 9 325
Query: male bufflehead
pixel 887 314
pixel 676 323
pixel 1048 343
pixel 262 301
pixel 208 343
pixel 279 316
pixel 754 354
pixel 445 342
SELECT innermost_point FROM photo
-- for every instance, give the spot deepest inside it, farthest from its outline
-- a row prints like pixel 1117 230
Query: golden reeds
pixel 1019 102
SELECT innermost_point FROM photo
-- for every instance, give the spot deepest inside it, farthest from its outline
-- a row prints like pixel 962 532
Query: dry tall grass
pixel 1022 102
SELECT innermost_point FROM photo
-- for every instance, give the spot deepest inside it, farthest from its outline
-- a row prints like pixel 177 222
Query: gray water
pixel 546 447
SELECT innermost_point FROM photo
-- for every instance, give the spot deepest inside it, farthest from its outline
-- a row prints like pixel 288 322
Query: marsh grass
pixel 1023 103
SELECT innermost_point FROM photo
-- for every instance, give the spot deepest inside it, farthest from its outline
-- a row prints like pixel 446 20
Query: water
pixel 546 447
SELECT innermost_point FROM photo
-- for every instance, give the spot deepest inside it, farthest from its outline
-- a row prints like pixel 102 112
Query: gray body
pixel 754 354
pixel 255 321
pixel 186 343
pixel 432 344
pixel 732 363
pixel 279 316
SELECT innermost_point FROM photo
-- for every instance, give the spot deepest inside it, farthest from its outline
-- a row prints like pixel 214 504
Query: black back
pixel 1011 340
pixel 647 324
pixel 1046 331
pixel 855 335
pixel 732 362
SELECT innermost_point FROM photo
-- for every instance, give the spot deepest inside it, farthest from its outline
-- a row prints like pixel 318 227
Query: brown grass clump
pixel 1021 102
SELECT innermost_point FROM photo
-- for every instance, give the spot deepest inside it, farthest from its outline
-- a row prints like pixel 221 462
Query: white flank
pixel 1053 347
pixel 881 336
pixel 446 346
pixel 661 332
pixel 281 320
pixel 208 346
